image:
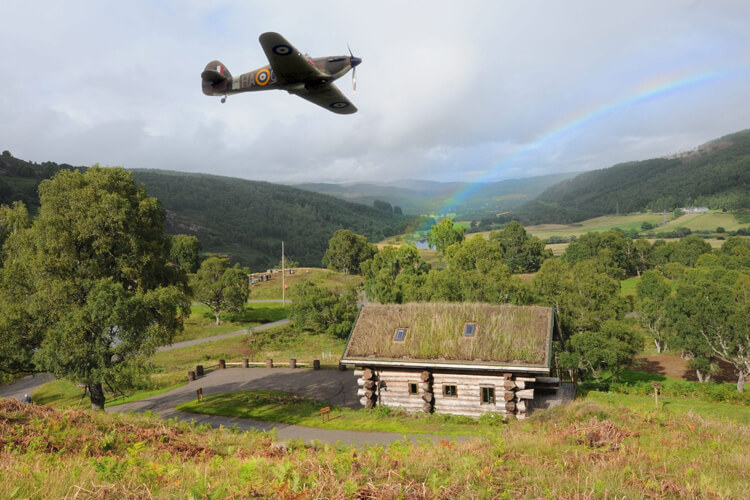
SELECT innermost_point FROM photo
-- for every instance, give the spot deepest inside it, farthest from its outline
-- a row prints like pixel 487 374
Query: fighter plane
pixel 290 70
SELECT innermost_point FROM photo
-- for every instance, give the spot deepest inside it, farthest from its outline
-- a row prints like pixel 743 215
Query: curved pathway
pixel 186 343
pixel 333 386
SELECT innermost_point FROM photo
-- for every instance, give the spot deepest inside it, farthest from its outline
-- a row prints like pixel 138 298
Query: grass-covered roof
pixel 505 335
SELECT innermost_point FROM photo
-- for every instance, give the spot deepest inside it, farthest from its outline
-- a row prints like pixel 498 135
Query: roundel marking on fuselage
pixel 339 104
pixel 282 50
pixel 262 77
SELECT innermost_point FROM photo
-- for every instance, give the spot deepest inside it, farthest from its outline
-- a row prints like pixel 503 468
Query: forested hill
pixel 716 175
pixel 249 219
pixel 245 219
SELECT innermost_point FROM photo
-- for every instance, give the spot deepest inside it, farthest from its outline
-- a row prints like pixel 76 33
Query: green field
pixel 202 323
pixel 708 221
pixel 272 290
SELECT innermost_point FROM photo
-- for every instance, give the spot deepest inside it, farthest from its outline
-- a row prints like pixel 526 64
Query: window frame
pixel 396 332
pixel 474 333
pixel 414 385
pixel 446 392
pixel 490 391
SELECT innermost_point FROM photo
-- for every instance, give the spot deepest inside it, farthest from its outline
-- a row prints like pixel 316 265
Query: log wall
pixel 514 394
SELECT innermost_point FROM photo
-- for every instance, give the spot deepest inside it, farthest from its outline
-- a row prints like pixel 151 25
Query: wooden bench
pixel 325 413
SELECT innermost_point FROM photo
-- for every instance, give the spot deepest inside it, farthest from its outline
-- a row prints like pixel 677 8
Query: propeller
pixel 355 61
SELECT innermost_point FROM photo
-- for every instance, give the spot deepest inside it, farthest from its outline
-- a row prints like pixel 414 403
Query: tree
pixel 521 253
pixel 185 252
pixel 13 219
pixel 445 234
pixel 87 292
pixel 346 252
pixel 316 308
pixel 395 275
pixel 221 286
pixel 611 348
pixel 652 291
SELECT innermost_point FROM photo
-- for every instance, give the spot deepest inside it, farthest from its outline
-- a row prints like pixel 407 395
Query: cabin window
pixel 470 329
pixel 413 388
pixel 400 334
pixel 449 391
pixel 488 395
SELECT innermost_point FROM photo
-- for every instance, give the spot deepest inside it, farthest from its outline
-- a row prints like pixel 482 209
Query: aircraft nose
pixel 355 61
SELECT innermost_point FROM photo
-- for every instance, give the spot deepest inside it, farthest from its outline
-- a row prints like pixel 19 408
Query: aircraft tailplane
pixel 215 72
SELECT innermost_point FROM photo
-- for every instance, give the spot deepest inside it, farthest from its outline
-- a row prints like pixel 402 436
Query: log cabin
pixel 459 358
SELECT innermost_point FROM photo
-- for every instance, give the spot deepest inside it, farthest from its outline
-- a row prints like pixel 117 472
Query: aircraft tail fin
pixel 215 72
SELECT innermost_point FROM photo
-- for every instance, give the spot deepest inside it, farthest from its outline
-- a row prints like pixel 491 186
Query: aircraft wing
pixel 329 96
pixel 289 64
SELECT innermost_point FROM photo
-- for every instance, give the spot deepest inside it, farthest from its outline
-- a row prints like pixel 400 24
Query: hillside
pixel 716 175
pixel 429 197
pixel 246 219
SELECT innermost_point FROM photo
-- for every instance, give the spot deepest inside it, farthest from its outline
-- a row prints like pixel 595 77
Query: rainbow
pixel 648 92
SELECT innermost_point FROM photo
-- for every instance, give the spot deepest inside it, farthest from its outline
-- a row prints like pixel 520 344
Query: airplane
pixel 290 70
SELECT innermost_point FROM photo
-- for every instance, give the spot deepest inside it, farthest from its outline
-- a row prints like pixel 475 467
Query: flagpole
pixel 283 282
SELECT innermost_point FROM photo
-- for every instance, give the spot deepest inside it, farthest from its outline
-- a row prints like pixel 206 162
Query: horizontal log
pixel 525 394
pixel 363 401
pixel 427 397
pixel 520 384
pixel 370 404
pixel 548 380
pixel 520 416
pixel 521 406
pixel 427 408
pixel 425 376
pixel 510 406
pixel 509 395
pixel 361 382
pixel 526 379
pixel 509 385
pixel 426 386
pixel 441 403
pixel 371 384
pixel 368 374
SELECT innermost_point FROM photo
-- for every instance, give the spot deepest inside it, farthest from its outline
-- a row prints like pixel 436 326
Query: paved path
pixel 25 385
pixel 333 386
pixel 186 343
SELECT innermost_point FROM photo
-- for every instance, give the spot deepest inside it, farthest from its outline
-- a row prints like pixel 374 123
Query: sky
pixel 470 91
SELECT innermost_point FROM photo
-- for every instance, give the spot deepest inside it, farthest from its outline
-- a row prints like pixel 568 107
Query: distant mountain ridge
pixel 427 197
pixel 716 175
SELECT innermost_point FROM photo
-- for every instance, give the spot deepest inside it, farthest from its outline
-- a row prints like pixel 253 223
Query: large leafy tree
pixel 346 252
pixel 395 275
pixel 612 348
pixel 185 252
pixel 316 308
pixel 445 234
pixel 522 253
pixel 652 292
pixel 475 272
pixel 221 286
pixel 87 292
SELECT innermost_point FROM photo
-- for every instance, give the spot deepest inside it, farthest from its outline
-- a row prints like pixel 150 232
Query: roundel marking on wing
pixel 339 104
pixel 282 50
pixel 262 77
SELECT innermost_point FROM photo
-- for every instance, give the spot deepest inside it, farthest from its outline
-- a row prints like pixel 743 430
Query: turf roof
pixel 505 335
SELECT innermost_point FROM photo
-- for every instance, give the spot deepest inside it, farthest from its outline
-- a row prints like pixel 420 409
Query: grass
pixel 504 333
pixel 66 394
pixel 202 322
pixel 706 221
pixel 593 448
pixel 280 343
pixel 628 286
pixel 287 408
pixel 271 290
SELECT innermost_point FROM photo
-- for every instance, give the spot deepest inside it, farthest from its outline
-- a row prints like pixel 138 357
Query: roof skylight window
pixel 400 334
pixel 470 329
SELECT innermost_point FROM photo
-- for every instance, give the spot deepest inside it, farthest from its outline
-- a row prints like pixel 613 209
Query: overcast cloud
pixel 446 91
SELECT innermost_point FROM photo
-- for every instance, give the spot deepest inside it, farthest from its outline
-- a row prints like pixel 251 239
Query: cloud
pixel 447 91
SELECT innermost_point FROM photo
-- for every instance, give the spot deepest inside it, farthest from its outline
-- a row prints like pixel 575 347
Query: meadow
pixel 272 289
pixel 592 448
